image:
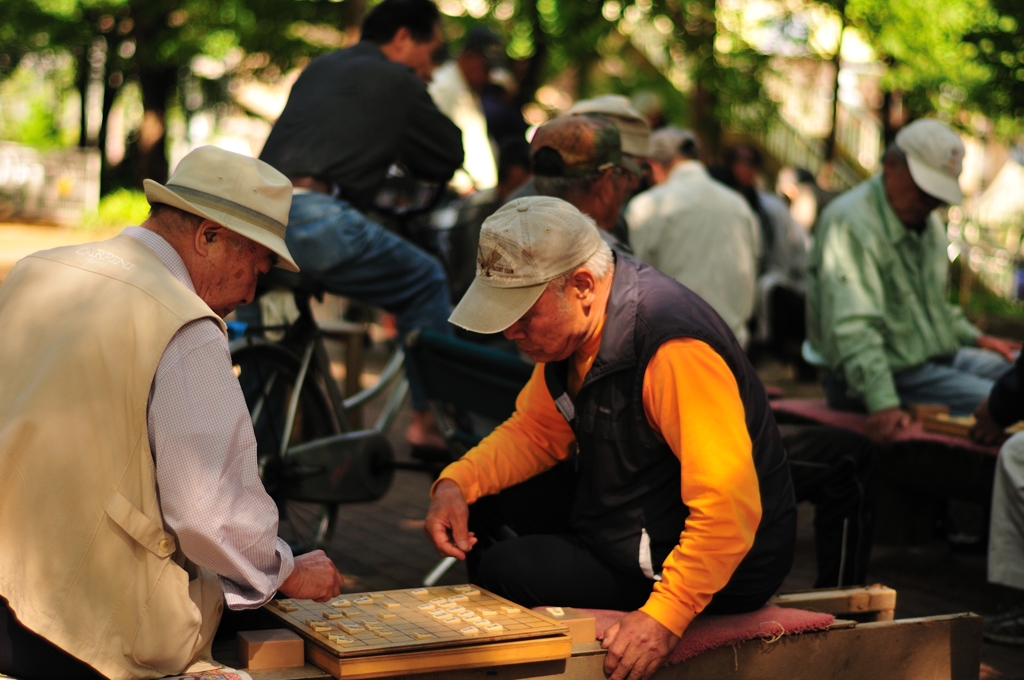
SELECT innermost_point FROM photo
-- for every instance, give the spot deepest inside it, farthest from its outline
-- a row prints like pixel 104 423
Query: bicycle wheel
pixel 267 375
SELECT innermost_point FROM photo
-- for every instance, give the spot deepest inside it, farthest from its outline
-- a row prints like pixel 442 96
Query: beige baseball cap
pixel 523 246
pixel 633 128
pixel 244 194
pixel 935 157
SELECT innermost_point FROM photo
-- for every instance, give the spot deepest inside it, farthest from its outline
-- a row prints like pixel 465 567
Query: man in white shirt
pixel 455 90
pixel 137 512
pixel 698 231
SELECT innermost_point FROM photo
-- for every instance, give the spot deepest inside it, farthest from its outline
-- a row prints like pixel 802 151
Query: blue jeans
pixel 353 256
pixel 960 383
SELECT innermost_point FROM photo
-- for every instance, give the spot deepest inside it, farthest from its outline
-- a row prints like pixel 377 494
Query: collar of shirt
pixel 686 169
pixel 895 231
pixel 165 251
pixel 368 49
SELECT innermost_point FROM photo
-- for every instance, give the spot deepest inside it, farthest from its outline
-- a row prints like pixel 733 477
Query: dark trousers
pixel 834 469
pixel 27 656
pixel 527 552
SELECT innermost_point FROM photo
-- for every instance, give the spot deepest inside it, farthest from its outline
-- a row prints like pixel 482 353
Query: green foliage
pixel 122 208
pixel 949 56
pixel 34 99
pixel 997 42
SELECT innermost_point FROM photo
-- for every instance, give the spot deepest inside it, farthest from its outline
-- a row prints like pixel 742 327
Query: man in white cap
pixel 131 510
pixel 877 314
pixel 649 472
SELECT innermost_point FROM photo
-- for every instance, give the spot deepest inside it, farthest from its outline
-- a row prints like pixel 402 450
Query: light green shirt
pixel 876 300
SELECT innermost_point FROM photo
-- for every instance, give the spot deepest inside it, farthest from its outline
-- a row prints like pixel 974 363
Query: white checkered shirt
pixel 205 452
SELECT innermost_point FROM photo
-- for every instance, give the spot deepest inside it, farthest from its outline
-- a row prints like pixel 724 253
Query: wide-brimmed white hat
pixel 935 157
pixel 244 194
pixel 525 245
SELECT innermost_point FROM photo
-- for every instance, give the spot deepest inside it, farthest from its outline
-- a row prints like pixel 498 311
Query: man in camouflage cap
pixel 579 159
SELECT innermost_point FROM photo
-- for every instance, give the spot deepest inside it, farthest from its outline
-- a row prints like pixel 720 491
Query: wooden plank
pixel 843 601
pixel 933 648
pixel 478 656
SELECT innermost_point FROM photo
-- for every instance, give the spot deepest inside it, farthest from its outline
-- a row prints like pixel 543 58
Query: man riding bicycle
pixel 351 115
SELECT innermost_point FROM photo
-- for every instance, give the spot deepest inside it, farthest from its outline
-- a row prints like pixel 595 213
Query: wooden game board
pixel 401 622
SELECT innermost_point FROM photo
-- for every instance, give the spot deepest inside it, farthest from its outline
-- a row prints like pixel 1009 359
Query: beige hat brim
pixel 486 309
pixel 235 221
pixel 935 182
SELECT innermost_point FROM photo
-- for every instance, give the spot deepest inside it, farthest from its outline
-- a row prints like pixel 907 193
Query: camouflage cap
pixel 575 146
pixel 633 127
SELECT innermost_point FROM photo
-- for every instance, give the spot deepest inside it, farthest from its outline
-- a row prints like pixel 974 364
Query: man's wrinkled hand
pixel 637 646
pixel 447 524
pixel 998 345
pixel 314 578
pixel 881 426
pixel 985 430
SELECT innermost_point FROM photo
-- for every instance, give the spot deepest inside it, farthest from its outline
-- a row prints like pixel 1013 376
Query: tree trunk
pixel 157 86
pixel 82 79
pixel 830 140
pixel 707 76
pixel 535 69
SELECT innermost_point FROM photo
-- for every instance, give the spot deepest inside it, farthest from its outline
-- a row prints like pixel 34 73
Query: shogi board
pixel 359 634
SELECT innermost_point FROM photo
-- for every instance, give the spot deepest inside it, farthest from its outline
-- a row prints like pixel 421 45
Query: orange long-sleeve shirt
pixel 692 401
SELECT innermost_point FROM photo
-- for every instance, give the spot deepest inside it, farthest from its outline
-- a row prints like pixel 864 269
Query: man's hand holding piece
pixel 882 425
pixel 637 646
pixel 447 524
pixel 999 345
pixel 314 578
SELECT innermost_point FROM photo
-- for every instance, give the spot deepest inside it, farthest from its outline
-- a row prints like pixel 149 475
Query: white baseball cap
pixel 244 194
pixel 935 157
pixel 525 245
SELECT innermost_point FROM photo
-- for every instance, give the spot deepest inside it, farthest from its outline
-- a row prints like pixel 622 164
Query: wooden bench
pixel 936 647
pixel 918 469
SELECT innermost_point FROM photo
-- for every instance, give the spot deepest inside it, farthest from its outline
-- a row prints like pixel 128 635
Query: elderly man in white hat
pixel 877 315
pixel 642 470
pixel 131 510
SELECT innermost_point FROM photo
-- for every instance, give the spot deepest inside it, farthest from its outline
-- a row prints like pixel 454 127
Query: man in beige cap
pixel 131 509
pixel 642 470
pixel 877 315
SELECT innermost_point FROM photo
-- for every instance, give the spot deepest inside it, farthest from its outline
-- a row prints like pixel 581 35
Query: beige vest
pixel 85 558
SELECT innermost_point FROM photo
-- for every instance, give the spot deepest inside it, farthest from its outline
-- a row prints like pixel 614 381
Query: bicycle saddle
pixel 296 282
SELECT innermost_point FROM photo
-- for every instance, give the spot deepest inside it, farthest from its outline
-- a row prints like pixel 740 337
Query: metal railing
pixel 49 186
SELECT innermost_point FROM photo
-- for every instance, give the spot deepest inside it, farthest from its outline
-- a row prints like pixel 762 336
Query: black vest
pixel 627 505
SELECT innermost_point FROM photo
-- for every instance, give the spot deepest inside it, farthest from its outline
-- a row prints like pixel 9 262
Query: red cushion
pixel 710 631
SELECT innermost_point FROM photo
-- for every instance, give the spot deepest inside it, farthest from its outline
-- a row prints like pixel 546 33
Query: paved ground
pixel 380 545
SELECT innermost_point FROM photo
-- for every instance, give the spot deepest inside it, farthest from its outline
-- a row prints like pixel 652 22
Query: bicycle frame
pixel 349 464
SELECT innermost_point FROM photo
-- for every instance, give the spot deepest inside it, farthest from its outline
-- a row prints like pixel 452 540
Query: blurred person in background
pixel 579 159
pixel 1004 407
pixel 806 198
pixel 698 231
pixel 456 89
pixel 781 286
pixel 351 116
pixel 634 145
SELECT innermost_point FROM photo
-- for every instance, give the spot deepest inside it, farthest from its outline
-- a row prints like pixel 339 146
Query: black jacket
pixel 627 505
pixel 353 113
